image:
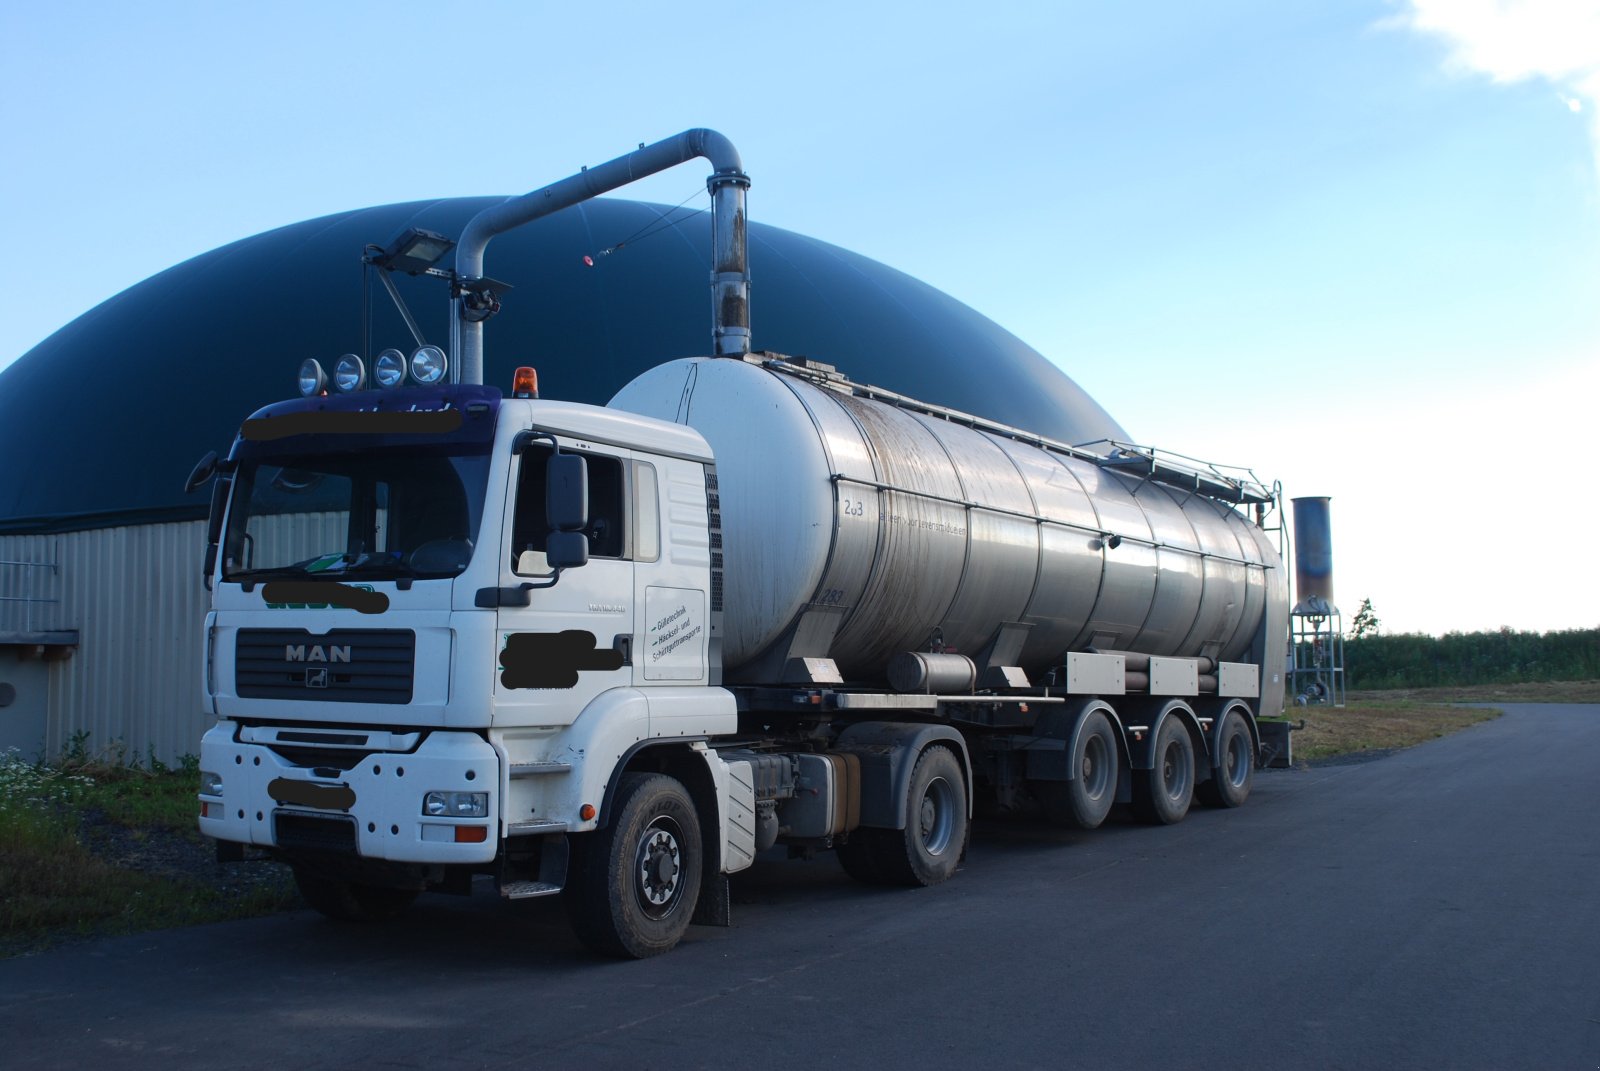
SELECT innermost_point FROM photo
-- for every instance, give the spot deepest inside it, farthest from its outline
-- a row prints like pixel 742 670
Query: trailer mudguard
pixel 888 752
pixel 1141 754
pixel 1065 723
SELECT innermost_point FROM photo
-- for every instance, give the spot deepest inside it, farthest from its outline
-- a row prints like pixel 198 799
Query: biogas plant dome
pixel 101 422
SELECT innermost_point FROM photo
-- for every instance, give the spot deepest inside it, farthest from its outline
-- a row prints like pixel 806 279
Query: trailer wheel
pixel 928 850
pixel 1162 795
pixel 1230 783
pixel 1085 801
pixel 348 901
pixel 633 886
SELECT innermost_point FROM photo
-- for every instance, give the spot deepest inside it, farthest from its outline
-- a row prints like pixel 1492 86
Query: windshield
pixel 384 512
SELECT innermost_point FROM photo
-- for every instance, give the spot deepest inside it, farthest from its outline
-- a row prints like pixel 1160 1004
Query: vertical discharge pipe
pixel 730 269
pixel 1313 557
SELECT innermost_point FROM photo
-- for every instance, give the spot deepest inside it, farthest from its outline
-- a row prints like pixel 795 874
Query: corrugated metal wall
pixel 135 597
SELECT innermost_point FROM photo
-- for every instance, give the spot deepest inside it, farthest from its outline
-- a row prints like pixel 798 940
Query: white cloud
pixel 1556 41
pixel 1513 40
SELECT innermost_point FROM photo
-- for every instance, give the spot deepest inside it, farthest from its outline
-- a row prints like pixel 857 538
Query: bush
pixel 1414 660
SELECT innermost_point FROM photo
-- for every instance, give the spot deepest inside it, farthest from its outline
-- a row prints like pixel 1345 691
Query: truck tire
pixel 1161 795
pixel 928 850
pixel 1084 802
pixel 633 885
pixel 1230 782
pixel 859 856
pixel 348 901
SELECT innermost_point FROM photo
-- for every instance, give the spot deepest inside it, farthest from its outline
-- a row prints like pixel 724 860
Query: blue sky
pixel 1355 245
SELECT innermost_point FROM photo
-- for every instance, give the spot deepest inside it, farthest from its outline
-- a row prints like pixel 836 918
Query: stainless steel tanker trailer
pixel 617 653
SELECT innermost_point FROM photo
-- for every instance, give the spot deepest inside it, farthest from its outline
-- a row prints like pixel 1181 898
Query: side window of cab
pixel 607 531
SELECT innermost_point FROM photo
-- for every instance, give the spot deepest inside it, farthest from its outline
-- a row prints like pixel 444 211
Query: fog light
pixel 350 373
pixel 210 783
pixel 456 804
pixel 389 369
pixel 428 365
pixel 313 380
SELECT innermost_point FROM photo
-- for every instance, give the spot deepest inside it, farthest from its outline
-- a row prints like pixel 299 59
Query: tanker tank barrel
pixel 857 522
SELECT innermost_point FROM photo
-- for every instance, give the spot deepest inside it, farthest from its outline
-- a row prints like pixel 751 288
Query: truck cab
pixel 441 620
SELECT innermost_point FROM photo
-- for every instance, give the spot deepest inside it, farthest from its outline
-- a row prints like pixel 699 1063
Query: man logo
pixel 316 678
pixel 300 652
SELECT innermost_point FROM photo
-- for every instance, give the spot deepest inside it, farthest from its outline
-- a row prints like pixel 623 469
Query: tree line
pixel 1415 660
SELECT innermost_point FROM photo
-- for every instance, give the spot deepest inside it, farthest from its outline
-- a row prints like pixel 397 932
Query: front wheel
pixel 633 886
pixel 349 901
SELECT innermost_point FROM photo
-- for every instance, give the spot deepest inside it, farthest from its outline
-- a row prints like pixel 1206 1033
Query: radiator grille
pixel 342 666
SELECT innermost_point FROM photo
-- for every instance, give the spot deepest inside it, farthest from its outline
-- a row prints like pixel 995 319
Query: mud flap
pixel 1276 752
pixel 716 902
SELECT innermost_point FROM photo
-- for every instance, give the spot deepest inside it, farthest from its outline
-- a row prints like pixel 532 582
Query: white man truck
pixel 616 653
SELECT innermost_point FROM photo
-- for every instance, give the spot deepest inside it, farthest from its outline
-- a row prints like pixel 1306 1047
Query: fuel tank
pixel 873 528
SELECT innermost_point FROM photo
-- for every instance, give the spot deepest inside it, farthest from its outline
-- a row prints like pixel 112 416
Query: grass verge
pixel 1377 725
pixel 100 849
pixel 1380 721
pixel 1532 692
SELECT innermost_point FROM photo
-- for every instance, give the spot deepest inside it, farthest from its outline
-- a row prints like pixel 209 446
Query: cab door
pixel 574 639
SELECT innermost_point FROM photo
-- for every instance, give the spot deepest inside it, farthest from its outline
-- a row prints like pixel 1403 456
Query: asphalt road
pixel 1439 907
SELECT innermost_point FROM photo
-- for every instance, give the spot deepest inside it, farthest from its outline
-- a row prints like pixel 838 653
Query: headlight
pixel 313 380
pixel 428 365
pixel 350 373
pixel 389 369
pixel 210 783
pixel 456 804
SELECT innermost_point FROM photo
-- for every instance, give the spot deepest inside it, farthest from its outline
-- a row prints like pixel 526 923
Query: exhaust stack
pixel 730 269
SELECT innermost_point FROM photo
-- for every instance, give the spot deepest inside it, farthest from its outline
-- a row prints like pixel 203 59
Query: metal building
pixel 101 603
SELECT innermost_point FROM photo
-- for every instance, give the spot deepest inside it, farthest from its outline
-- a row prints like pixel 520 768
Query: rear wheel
pixel 1085 801
pixel 349 901
pixel 633 887
pixel 928 850
pixel 1162 795
pixel 859 856
pixel 1236 762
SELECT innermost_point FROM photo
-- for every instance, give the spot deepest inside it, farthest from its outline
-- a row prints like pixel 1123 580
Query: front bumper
pixel 373 810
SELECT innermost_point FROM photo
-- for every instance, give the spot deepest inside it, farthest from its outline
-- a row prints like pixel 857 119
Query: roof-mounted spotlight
pixel 412 251
pixel 428 365
pixel 350 373
pixel 389 370
pixel 313 380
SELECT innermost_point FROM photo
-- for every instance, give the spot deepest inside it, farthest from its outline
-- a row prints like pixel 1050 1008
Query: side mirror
pixel 566 550
pixel 204 469
pixel 566 501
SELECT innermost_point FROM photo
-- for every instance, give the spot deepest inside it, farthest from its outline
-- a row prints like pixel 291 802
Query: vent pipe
pixel 1313 558
pixel 730 268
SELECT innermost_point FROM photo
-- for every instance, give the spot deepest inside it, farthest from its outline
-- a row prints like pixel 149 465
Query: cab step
pixel 523 890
